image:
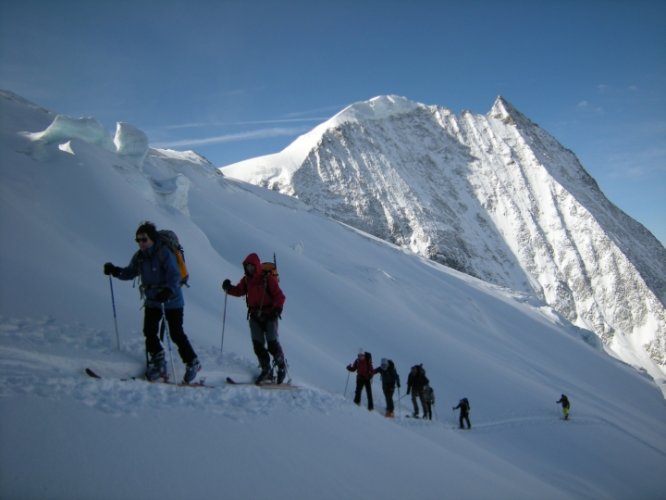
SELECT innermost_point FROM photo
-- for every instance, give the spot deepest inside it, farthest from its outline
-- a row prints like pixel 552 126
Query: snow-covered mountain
pixel 71 197
pixel 493 196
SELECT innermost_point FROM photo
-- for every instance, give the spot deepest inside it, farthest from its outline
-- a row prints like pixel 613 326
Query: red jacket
pixel 264 296
pixel 362 367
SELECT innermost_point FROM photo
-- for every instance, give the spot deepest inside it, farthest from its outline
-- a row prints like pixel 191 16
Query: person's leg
pixel 258 343
pixel 416 408
pixel 423 403
pixel 275 349
pixel 156 366
pixel 175 321
pixel 388 394
pixel 357 393
pixel 368 390
pixel 151 323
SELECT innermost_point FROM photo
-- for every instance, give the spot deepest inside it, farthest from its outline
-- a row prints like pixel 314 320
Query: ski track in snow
pixel 51 357
pixel 49 363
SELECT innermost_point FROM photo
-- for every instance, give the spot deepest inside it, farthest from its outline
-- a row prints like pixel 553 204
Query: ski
pixel 93 374
pixel 269 385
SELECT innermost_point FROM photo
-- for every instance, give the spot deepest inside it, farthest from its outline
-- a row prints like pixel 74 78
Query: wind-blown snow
pixel 493 196
pixel 64 213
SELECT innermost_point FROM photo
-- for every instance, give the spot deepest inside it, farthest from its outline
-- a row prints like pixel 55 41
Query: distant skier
pixel 364 372
pixel 160 278
pixel 416 381
pixel 390 379
pixel 564 401
pixel 265 301
pixel 429 400
pixel 463 405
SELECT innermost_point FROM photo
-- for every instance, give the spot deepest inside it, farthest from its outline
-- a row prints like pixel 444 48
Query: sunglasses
pixel 142 240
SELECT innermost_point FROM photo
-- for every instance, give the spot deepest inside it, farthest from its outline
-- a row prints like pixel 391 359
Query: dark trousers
pixel 388 395
pixel 418 394
pixel 465 417
pixel 427 410
pixel 265 340
pixel 151 326
pixel 362 382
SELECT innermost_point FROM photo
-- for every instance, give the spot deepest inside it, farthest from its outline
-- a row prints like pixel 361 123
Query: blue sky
pixel 241 78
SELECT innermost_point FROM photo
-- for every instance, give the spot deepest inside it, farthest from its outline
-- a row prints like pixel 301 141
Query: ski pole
pixel 399 409
pixel 115 318
pixel 348 374
pixel 224 321
pixel 165 324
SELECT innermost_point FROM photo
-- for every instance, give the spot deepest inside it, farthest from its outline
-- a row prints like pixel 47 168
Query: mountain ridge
pixel 494 196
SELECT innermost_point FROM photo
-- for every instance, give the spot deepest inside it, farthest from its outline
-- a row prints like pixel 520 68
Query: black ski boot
pixel 157 367
pixel 191 370
pixel 281 364
pixel 266 375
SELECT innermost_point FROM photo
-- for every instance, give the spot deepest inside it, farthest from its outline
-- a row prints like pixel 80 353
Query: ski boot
pixel 157 367
pixel 191 370
pixel 281 374
pixel 265 376
pixel 281 370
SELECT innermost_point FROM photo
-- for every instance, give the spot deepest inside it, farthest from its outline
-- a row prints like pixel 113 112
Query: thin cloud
pixel 588 107
pixel 265 133
pixel 180 126
pixel 324 109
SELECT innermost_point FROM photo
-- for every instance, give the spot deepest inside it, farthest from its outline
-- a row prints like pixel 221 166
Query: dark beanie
pixel 149 229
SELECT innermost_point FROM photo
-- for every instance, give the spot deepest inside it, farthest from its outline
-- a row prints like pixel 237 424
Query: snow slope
pixel 494 196
pixel 69 205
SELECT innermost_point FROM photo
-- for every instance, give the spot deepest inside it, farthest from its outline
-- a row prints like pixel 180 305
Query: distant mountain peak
pixel 503 110
pixel 494 196
pixel 377 108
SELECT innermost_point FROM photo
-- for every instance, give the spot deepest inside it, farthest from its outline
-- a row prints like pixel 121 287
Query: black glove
pixel 110 269
pixel 277 312
pixel 226 284
pixel 163 294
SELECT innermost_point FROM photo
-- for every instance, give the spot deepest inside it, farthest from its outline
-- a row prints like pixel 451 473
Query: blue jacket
pixel 158 269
